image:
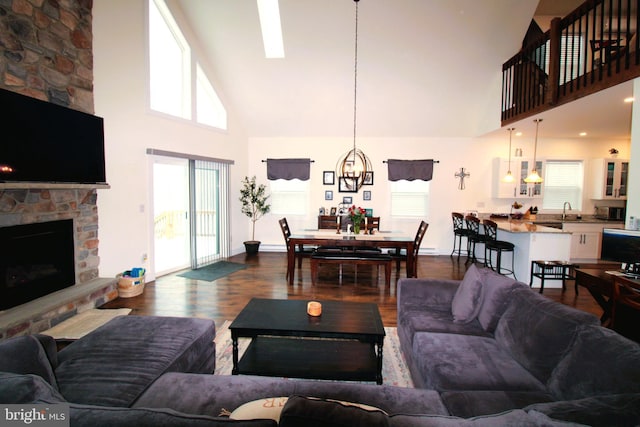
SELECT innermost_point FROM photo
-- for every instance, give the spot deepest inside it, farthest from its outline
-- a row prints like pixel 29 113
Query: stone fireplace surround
pixel 34 203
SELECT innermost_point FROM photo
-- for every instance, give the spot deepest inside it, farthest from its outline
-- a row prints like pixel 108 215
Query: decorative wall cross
pixel 462 175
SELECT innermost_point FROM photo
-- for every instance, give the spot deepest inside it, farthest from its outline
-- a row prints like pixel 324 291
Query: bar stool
pixel 492 244
pixel 474 237
pixel 459 232
pixel 552 270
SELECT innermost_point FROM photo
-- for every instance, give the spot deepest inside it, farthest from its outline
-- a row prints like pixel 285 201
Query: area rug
pixel 394 366
pixel 81 324
pixel 214 271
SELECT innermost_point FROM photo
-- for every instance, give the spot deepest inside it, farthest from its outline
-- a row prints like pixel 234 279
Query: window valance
pixel 288 169
pixel 410 169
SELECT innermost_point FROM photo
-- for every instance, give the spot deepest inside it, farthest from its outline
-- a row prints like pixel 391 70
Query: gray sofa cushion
pixel 515 418
pixel 537 332
pixel 96 416
pixel 604 411
pixel 412 321
pixel 211 394
pixel 307 412
pixel 468 298
pixel 26 388
pixel 115 363
pixel 466 362
pixel 600 362
pixel 467 404
pixel 27 355
pixel 497 289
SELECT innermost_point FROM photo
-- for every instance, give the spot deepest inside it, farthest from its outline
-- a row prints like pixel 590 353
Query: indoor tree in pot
pixel 254 205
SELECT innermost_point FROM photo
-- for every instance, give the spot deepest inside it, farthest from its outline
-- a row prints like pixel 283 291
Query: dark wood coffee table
pixel 344 343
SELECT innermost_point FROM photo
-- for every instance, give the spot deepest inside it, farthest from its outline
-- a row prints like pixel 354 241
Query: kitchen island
pixel 534 242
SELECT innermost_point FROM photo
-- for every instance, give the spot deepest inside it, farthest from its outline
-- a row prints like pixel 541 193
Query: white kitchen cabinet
pixel 586 238
pixel 609 179
pixel 518 189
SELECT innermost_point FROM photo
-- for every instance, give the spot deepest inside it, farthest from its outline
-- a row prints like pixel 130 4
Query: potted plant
pixel 254 205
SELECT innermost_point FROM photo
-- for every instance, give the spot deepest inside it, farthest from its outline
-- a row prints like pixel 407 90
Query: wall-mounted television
pixel 621 246
pixel 45 142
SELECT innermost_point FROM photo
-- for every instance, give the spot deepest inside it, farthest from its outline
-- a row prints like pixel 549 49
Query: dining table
pixel 346 240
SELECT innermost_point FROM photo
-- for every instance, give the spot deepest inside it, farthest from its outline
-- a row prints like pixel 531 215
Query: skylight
pixel 269 12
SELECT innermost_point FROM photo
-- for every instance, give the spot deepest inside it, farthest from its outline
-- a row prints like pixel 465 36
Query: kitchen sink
pixel 552 224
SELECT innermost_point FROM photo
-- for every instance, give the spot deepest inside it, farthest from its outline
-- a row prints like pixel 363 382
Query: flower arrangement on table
pixel 356 214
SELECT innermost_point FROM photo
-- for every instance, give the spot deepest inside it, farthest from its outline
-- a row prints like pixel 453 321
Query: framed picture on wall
pixel 347 184
pixel 366 195
pixel 328 195
pixel 333 211
pixel 347 200
pixel 368 178
pixel 328 177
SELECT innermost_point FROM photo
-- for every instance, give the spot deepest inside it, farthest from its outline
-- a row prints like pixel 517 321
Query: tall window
pixel 410 198
pixel 289 197
pixel 209 108
pixel 563 182
pixel 175 77
pixel 169 63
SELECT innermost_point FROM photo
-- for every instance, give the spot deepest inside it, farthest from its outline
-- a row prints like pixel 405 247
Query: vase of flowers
pixel 356 214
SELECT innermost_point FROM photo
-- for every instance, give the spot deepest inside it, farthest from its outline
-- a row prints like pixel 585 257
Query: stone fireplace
pixel 46 52
pixel 41 206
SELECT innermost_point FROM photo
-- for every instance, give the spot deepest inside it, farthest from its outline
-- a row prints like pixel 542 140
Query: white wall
pixel 120 90
pixel 475 155
pixel 633 204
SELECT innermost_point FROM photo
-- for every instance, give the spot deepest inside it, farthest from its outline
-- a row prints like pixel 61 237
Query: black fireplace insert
pixel 35 260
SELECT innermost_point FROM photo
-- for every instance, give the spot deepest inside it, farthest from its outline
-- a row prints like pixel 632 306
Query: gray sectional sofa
pixel 484 351
pixel 489 344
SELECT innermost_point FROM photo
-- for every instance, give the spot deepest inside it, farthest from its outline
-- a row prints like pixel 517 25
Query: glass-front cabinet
pixel 520 169
pixel 610 178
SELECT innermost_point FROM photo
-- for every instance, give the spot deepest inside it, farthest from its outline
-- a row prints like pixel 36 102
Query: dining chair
pixel 459 231
pixel 401 255
pixel 300 250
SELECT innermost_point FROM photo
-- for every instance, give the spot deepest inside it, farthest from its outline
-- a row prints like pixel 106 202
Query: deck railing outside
pixel 591 49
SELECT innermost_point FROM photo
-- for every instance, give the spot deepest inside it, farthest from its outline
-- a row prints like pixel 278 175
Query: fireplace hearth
pixel 35 260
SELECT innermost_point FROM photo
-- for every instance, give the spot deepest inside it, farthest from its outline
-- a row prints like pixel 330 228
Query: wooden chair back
pixel 626 292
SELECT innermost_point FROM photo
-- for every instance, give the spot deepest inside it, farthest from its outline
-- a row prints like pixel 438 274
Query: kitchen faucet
pixel 564 210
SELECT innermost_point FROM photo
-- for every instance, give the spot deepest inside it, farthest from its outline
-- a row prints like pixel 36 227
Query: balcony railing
pixel 593 48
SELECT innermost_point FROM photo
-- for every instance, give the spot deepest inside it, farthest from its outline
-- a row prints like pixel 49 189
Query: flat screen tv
pixel 45 142
pixel 621 246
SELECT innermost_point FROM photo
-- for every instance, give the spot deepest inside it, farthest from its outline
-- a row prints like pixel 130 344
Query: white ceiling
pixel 426 68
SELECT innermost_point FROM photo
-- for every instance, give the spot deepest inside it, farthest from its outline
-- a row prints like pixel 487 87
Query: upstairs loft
pixel 593 48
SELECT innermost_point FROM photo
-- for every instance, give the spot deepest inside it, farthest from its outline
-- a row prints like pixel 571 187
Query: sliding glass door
pixel 191 220
pixel 171 215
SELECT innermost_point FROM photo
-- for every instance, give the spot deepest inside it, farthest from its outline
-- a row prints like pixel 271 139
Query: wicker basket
pixel 130 286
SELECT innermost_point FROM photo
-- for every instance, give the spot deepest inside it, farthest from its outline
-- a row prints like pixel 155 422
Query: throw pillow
pixel 268 408
pixel 497 289
pixel 25 355
pixel 468 298
pixel 29 388
pixel 312 412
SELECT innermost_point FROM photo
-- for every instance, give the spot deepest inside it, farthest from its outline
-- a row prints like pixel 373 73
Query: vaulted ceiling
pixel 426 68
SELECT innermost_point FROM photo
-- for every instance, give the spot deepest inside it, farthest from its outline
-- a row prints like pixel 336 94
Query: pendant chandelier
pixel 354 165
pixel 534 177
pixel 509 177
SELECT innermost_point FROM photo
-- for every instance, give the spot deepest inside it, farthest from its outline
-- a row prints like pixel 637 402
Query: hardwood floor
pixel 223 299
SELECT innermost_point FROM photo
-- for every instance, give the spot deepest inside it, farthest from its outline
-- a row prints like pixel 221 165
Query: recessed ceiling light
pixel 269 12
pixel 583 134
pixel 518 133
pixel 629 99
